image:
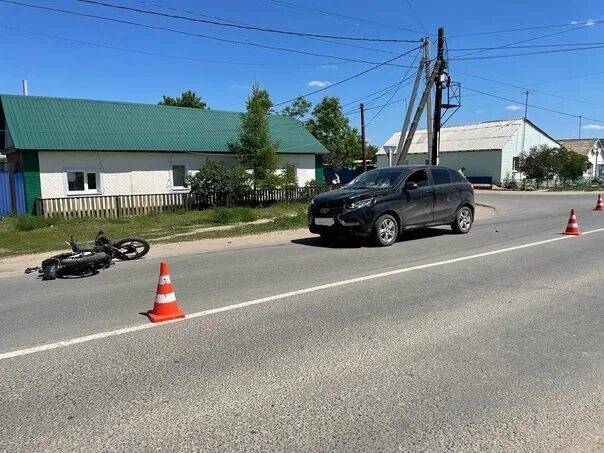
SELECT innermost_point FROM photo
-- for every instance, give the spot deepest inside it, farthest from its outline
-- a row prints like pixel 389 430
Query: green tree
pixel 186 99
pixel 572 165
pixel 215 177
pixel 289 178
pixel 298 109
pixel 254 146
pixel 329 125
pixel 212 177
pixel 541 162
pixel 371 152
pixel 240 180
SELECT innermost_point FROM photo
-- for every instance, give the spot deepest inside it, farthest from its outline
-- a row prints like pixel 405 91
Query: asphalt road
pixel 451 343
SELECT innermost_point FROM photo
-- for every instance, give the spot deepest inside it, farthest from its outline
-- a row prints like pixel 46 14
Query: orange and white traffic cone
pixel 599 204
pixel 572 227
pixel 165 307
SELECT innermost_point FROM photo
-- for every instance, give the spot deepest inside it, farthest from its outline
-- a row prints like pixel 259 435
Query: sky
pixel 83 57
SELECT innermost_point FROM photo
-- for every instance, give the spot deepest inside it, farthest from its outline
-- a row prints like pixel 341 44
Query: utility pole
pixel 363 137
pixel 400 156
pixel 429 103
pixel 420 108
pixel 524 120
pixel 439 96
pixel 580 119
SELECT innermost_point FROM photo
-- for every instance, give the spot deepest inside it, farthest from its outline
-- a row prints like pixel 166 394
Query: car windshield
pixel 374 179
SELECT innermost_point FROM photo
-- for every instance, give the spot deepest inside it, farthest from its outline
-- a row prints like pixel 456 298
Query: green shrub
pixel 31 222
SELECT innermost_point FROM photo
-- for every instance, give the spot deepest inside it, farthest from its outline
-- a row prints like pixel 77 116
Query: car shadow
pixel 357 243
pixel 426 233
pixel 344 243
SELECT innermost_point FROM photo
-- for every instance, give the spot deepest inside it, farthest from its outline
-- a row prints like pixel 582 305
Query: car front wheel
pixel 463 220
pixel 385 230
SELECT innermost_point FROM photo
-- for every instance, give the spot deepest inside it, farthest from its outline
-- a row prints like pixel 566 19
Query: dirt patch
pixel 16 265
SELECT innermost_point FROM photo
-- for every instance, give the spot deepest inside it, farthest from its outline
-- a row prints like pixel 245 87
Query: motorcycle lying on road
pixel 88 260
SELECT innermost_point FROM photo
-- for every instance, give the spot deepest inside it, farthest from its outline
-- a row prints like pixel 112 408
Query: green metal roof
pixel 45 123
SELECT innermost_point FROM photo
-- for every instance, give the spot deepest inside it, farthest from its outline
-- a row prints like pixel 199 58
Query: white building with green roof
pixel 76 147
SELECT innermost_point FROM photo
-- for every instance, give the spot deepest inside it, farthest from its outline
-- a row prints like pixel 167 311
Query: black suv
pixel 384 202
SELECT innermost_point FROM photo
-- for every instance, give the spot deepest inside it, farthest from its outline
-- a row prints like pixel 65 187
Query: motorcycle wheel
pixel 131 248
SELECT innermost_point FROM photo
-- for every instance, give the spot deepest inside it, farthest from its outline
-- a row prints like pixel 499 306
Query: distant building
pixel 592 148
pixel 490 148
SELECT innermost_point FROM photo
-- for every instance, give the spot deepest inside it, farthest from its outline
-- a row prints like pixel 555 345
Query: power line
pixel 522 41
pixel 534 106
pixel 156 54
pixel 244 27
pixel 375 107
pixel 342 16
pixel 417 18
pixel 491 57
pixel 379 112
pixel 354 76
pixel 339 43
pixel 546 82
pixel 526 88
pixel 577 44
pixel 511 30
pixel 385 89
pixel 196 35
pixel 402 83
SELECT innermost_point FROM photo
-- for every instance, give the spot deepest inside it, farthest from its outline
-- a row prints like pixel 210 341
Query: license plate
pixel 324 221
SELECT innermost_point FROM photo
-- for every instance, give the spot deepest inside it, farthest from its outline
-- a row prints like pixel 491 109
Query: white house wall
pixel 477 163
pixel 132 173
pixel 532 137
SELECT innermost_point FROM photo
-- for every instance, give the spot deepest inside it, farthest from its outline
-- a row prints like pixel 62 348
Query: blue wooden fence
pixel 5 205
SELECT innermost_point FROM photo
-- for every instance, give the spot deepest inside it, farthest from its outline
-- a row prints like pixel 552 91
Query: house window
pixel 179 176
pixel 82 182
pixel 515 163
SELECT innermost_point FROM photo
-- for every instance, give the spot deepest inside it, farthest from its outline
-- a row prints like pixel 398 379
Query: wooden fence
pixel 113 206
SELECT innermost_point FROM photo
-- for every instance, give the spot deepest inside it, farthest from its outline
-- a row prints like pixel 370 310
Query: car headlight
pixel 361 204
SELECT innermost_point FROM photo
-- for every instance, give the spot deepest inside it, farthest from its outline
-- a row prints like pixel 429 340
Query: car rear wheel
pixel 464 218
pixel 385 230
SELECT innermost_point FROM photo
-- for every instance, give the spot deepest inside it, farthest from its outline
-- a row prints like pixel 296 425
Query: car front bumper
pixel 349 223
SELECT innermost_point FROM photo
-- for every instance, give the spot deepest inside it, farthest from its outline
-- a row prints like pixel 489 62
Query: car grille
pixel 326 210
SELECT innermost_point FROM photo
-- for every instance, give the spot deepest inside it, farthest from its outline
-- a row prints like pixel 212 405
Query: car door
pixel 447 195
pixel 418 203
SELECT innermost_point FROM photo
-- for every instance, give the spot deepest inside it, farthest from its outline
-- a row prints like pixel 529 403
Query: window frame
pixel 173 187
pixel 515 163
pixel 86 171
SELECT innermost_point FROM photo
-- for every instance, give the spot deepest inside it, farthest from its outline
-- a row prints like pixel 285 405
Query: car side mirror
pixel 410 186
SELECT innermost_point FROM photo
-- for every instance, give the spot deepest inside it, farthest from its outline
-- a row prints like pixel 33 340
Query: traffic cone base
pixel 599 204
pixel 165 307
pixel 572 228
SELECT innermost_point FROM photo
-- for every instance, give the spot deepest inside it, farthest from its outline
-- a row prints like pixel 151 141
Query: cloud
pixel 481 112
pixel 513 108
pixel 319 83
pixel 588 22
pixel 594 127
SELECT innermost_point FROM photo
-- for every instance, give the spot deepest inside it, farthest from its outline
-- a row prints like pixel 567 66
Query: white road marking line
pixel 199 314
